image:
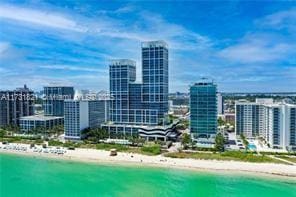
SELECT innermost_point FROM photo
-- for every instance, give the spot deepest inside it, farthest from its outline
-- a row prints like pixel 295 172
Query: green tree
pixel 186 139
pixel 221 122
pixel 219 142
pixel 245 141
pixel 11 129
pixel 2 133
pixel 192 144
pixel 94 134
pixel 102 133
pixel 42 130
pixel 139 141
pixel 57 130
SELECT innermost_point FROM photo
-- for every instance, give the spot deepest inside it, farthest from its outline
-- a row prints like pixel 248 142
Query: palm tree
pixel 186 139
pixel 85 133
pixel 219 142
pixel 57 130
pixel 2 133
pixel 103 134
pixel 245 141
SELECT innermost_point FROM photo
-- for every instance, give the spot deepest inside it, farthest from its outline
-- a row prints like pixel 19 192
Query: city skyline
pixel 241 50
pixel 147 98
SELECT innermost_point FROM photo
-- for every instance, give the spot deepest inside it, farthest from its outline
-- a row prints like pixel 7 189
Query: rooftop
pixel 157 43
pixel 22 89
pixel 204 81
pixel 58 85
pixel 40 117
pixel 115 62
pixel 268 104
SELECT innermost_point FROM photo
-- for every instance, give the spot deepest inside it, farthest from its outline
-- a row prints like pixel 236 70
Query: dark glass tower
pixel 122 72
pixel 15 104
pixel 203 109
pixel 155 77
pixel 140 103
pixel 54 99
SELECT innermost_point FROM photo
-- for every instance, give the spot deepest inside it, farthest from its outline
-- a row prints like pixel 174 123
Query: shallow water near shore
pixel 29 176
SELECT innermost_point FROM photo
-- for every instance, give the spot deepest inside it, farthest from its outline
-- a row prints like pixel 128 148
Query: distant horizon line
pixel 222 92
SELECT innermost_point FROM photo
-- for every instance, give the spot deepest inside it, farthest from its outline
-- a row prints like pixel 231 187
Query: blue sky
pixel 244 46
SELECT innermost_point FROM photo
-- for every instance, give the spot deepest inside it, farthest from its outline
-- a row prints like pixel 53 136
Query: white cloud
pixel 121 10
pixel 278 20
pixel 9 53
pixel 265 43
pixel 43 18
pixel 125 9
pixel 259 48
pixel 4 46
pixel 120 37
pixel 152 26
pixel 148 26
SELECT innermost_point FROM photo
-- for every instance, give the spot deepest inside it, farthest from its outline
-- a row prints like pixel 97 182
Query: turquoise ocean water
pixel 28 176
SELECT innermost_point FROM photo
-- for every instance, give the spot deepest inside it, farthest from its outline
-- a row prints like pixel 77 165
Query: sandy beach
pixel 101 156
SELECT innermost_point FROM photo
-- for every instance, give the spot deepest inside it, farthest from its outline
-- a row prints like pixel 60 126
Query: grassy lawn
pixel 151 150
pixel 55 143
pixel 278 153
pixel 228 156
pixel 291 159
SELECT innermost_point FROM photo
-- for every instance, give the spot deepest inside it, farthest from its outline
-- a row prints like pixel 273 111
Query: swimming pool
pixel 252 147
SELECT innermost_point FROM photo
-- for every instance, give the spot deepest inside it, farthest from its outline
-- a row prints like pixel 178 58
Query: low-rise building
pixel 179 110
pixel 39 123
pixel 229 118
pixel 161 132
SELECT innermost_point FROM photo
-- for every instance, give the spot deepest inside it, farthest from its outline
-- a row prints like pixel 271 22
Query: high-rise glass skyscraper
pixel 143 103
pixel 15 104
pixel 122 72
pixel 54 99
pixel 203 110
pixel 155 77
pixel 140 108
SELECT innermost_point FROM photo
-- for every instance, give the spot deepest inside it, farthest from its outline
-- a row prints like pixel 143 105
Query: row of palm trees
pixel 10 130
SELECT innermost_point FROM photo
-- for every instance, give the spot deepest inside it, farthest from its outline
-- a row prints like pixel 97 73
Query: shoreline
pixel 131 159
